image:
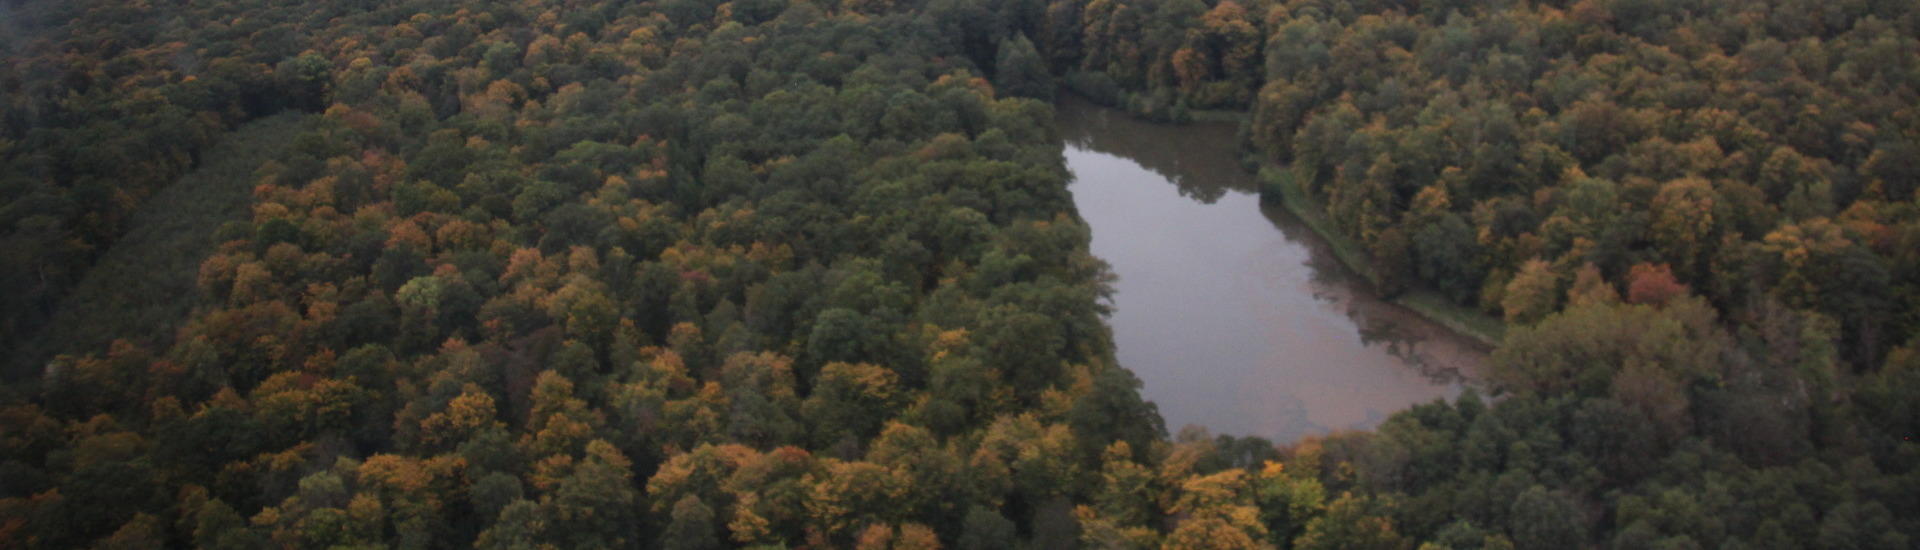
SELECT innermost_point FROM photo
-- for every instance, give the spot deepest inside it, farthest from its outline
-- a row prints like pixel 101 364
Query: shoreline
pixel 1280 185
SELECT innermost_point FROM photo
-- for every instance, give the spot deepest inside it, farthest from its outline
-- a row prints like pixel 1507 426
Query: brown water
pixel 1235 315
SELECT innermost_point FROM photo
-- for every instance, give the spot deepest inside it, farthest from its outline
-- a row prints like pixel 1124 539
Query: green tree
pixel 766 405
pixel 1020 71
pixel 850 401
pixel 692 527
pixel 1447 256
pixel 1349 524
pixel 1544 518
pixel 1579 350
pixel 306 81
pixel 594 506
pixel 218 526
pixel 1114 411
pixel 985 529
pixel 520 525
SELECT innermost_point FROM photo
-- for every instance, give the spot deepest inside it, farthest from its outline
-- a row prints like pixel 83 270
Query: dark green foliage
pixel 517 527
pixel 1020 71
pixel 692 527
pixel 1545 519
pixel 1446 254
pixel 218 527
pixel 1115 412
pixel 305 81
pixel 985 530
pixel 493 493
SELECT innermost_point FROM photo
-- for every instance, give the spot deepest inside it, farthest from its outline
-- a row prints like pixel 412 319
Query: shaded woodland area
pixel 793 273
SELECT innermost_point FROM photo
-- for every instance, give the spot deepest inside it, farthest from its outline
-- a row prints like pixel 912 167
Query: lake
pixel 1235 315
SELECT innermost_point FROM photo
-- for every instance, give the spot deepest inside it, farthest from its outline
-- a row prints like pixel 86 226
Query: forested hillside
pixel 1699 218
pixel 797 273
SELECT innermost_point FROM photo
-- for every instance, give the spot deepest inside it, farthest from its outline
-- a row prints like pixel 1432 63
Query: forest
pixel 692 274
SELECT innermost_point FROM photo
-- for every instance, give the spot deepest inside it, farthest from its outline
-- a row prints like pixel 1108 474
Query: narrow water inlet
pixel 1235 315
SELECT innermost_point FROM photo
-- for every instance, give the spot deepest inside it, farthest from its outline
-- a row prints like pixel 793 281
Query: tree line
pixel 1693 215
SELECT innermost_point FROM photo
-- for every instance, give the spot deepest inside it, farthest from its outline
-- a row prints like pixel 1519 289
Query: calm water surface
pixel 1234 314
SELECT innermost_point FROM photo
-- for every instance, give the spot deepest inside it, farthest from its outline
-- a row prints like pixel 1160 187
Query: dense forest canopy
pixel 799 273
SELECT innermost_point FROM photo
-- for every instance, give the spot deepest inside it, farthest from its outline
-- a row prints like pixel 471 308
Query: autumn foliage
pixel 1653 284
pixel 787 273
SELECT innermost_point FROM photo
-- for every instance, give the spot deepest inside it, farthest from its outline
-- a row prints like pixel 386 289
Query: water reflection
pixel 1198 158
pixel 1236 315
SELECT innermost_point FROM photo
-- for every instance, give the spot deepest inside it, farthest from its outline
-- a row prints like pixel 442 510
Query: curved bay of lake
pixel 1234 314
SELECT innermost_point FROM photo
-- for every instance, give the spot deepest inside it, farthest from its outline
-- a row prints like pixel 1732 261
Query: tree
pixel 1578 350
pixel 1544 518
pixel 1532 293
pixel 594 506
pixel 849 401
pixel 1798 183
pixel 1210 533
pixel 1026 346
pixel 1220 513
pixel 1020 71
pixel 1856 524
pixel 1590 288
pixel 914 536
pixel 1348 524
pixel 307 81
pixel 1653 284
pixel 1392 261
pixel 520 525
pixel 841 334
pixel 1885 398
pixel 910 536
pixel 1114 411
pixel 559 422
pixel 1446 256
pixel 985 529
pixel 851 494
pixel 493 493
pixel 766 405
pixel 1041 457
pixel 1278 112
pixel 692 527
pixel 1288 500
pixel 938 476
pixel 1684 224
pixel 218 526
pixel 143 532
